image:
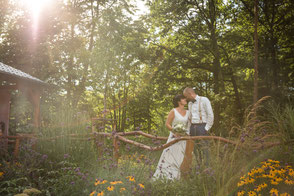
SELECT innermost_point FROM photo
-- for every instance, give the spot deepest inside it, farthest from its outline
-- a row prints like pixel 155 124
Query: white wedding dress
pixel 172 157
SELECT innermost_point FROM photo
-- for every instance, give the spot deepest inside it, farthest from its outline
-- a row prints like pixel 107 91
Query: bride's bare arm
pixel 169 120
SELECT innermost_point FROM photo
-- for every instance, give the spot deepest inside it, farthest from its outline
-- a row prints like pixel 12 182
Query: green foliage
pixel 283 120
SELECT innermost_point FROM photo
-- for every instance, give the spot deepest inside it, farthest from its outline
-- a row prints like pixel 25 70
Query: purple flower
pixel 44 157
pixel 66 156
pixel 72 183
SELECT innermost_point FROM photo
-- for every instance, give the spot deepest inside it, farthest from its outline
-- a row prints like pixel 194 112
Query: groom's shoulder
pixel 204 98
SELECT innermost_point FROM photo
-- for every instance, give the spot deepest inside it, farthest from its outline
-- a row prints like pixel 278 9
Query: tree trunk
pixel 217 74
pixel 69 70
pixel 255 93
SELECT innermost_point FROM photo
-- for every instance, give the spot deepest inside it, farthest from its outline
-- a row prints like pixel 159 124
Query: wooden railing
pixel 121 136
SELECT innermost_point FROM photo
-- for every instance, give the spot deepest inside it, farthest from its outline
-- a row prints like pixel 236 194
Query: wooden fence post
pixel 187 161
pixel 115 149
pixel 16 147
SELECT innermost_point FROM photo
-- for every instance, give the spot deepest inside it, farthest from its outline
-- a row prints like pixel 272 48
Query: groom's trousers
pixel 201 147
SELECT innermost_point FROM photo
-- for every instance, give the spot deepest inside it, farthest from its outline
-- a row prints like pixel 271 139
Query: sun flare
pixel 35 7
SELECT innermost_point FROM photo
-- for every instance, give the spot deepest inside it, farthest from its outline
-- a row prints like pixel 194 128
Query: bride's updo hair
pixel 177 99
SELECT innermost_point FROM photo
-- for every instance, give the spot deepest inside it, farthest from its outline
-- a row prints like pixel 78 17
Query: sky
pixel 141 8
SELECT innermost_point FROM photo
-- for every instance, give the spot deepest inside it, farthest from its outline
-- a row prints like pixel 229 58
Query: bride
pixel 172 157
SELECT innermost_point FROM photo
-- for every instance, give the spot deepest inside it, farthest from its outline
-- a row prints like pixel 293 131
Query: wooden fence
pixel 122 136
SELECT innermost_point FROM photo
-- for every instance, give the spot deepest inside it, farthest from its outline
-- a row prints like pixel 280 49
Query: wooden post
pixel 16 147
pixel 115 149
pixel 98 139
pixel 4 115
pixel 255 91
pixel 34 98
pixel 187 162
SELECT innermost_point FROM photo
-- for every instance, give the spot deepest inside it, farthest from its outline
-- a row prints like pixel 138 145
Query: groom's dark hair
pixel 177 98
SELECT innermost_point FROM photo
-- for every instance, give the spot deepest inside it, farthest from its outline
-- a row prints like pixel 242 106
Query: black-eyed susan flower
pixel 274 191
pixel 1 174
pixel 291 172
pixel 91 194
pixel 100 194
pixel 241 193
pixel 252 193
pixel 131 178
pixel 274 182
pixel 258 189
pixel 241 183
pixel 122 189
pixel 285 194
pixel 116 182
pixel 289 182
pixel 110 188
pixel 141 186
pixel 263 185
pixel 251 180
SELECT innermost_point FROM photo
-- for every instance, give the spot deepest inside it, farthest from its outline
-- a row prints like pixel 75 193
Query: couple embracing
pixel 198 120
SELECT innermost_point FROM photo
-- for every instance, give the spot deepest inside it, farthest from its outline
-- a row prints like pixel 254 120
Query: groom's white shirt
pixel 205 109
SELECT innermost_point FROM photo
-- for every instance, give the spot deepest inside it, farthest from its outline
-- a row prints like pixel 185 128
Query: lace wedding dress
pixel 172 157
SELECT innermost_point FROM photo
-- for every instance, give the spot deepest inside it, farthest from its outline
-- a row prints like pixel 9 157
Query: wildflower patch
pixel 268 179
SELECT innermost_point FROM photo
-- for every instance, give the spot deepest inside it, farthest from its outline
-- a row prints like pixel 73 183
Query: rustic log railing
pixel 121 136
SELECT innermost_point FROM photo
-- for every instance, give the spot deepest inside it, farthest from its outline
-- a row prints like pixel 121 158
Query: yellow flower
pixel 91 194
pixel 274 182
pixel 241 183
pixel 258 188
pixel 241 193
pixel 274 191
pixel 99 182
pixel 287 181
pixel 110 188
pixel 1 174
pixel 264 185
pixel 252 193
pixel 282 171
pixel 122 189
pixel 285 194
pixel 260 170
pixel 291 172
pixel 277 162
pixel 131 178
pixel 251 180
pixel 141 185
pixel 101 193
pixel 116 182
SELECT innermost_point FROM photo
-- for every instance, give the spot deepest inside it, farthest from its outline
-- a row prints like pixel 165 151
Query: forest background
pixel 103 59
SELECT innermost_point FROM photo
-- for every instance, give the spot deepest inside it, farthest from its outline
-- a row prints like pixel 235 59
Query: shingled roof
pixel 13 74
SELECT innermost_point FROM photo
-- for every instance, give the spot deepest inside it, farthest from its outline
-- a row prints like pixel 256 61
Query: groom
pixel 201 120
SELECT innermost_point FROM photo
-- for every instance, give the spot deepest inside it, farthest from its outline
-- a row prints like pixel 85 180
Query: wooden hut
pixel 12 79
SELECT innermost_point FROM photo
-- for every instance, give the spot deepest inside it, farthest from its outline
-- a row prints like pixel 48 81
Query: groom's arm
pixel 189 115
pixel 210 116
